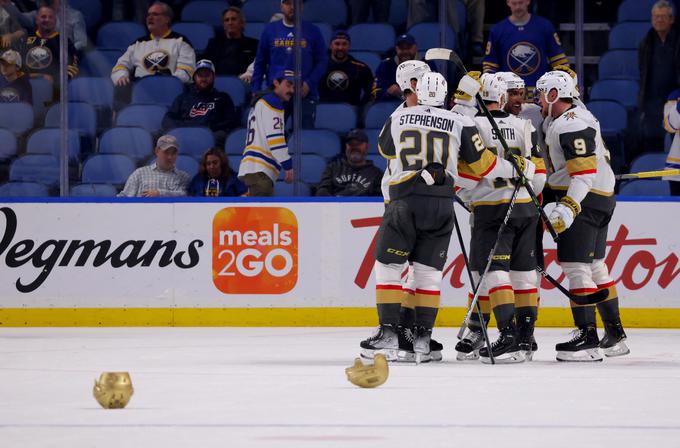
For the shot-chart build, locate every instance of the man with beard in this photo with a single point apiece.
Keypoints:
(386, 87)
(351, 175)
(14, 84)
(346, 80)
(203, 105)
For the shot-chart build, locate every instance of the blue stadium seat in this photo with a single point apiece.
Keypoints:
(646, 187)
(35, 168)
(326, 31)
(372, 140)
(91, 10)
(398, 12)
(16, 117)
(612, 116)
(187, 164)
(636, 10)
(148, 116)
(94, 190)
(339, 117)
(648, 162)
(81, 117)
(369, 58)
(627, 35)
(427, 36)
(235, 141)
(8, 144)
(312, 167)
(156, 90)
(318, 141)
(622, 90)
(378, 161)
(283, 189)
(260, 11)
(108, 169)
(95, 91)
(234, 87)
(48, 141)
(131, 141)
(99, 63)
(378, 113)
(194, 141)
(333, 12)
(372, 36)
(23, 189)
(234, 162)
(254, 29)
(119, 35)
(198, 34)
(209, 12)
(619, 64)
(42, 93)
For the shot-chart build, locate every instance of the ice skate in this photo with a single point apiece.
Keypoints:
(384, 340)
(421, 344)
(612, 344)
(435, 350)
(583, 346)
(504, 349)
(405, 352)
(525, 338)
(468, 348)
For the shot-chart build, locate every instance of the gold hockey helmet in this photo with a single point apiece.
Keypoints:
(113, 390)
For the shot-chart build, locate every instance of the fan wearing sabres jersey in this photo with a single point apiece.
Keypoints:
(525, 44)
(266, 151)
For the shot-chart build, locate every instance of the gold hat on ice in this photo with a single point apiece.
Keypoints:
(113, 390)
(371, 375)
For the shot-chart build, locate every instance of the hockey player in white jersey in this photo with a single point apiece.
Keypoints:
(671, 123)
(511, 280)
(427, 144)
(584, 183)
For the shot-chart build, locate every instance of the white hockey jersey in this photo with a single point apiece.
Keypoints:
(671, 122)
(150, 55)
(265, 150)
(519, 134)
(579, 158)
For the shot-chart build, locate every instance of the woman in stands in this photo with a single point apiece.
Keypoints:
(215, 177)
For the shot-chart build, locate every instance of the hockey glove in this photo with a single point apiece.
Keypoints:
(564, 213)
(526, 166)
(468, 87)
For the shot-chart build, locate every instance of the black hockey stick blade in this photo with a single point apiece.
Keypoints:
(591, 299)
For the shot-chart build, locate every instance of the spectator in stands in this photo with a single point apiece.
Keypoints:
(659, 59)
(215, 177)
(346, 79)
(41, 51)
(14, 84)
(75, 22)
(203, 105)
(359, 10)
(231, 51)
(671, 122)
(11, 30)
(385, 86)
(161, 178)
(161, 52)
(525, 44)
(275, 51)
(352, 175)
(266, 151)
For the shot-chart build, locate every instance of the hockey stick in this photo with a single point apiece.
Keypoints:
(501, 228)
(589, 299)
(482, 324)
(450, 55)
(647, 174)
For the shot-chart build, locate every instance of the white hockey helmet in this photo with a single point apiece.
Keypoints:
(494, 89)
(513, 80)
(431, 89)
(560, 81)
(408, 70)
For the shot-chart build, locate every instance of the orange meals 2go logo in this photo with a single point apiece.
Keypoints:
(255, 250)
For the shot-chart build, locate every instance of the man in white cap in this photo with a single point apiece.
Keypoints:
(15, 86)
(161, 178)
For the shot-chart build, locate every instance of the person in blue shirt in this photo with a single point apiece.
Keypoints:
(215, 177)
(525, 44)
(276, 51)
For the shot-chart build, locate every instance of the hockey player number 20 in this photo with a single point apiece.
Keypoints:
(412, 157)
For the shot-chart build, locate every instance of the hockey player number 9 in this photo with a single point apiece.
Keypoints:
(416, 151)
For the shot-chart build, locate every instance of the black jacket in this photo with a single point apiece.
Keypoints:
(342, 179)
(350, 81)
(212, 109)
(645, 60)
(231, 56)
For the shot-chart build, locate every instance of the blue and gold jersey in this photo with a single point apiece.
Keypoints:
(528, 50)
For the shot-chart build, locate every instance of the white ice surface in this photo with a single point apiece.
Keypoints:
(286, 387)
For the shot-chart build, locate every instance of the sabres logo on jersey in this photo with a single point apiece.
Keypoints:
(524, 58)
(9, 95)
(38, 58)
(156, 61)
(201, 109)
(337, 80)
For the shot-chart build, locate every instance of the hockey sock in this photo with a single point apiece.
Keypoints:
(407, 314)
(427, 306)
(486, 311)
(503, 304)
(609, 309)
(583, 314)
(526, 305)
(388, 299)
